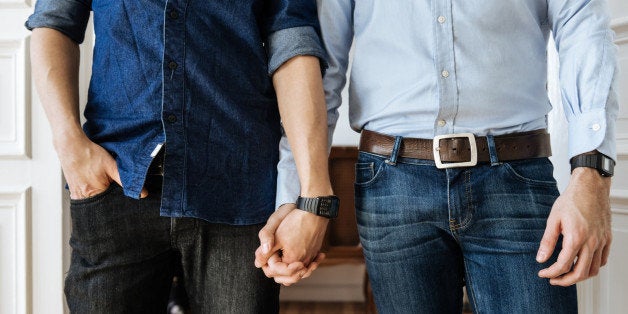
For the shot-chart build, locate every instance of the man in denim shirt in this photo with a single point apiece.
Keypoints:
(176, 162)
(453, 182)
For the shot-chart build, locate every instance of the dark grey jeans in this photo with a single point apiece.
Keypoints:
(124, 256)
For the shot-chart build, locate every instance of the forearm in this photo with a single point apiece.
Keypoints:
(299, 88)
(55, 59)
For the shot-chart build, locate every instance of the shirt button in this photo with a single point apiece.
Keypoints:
(173, 65)
(172, 118)
(441, 19)
(441, 123)
(174, 15)
(445, 73)
(596, 127)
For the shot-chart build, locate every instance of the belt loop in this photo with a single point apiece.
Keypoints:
(395, 152)
(492, 152)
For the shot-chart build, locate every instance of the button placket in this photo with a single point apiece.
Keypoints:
(445, 61)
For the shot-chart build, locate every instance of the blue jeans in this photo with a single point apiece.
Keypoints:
(124, 256)
(426, 232)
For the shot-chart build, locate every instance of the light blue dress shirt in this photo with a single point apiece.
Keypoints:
(423, 68)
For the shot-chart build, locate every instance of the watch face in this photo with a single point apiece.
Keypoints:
(324, 206)
(607, 164)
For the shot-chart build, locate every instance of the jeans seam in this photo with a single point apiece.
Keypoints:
(470, 288)
(469, 198)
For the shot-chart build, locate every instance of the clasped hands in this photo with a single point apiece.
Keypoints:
(290, 244)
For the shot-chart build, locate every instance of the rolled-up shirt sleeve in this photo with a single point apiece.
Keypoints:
(292, 30)
(296, 41)
(337, 32)
(70, 17)
(588, 73)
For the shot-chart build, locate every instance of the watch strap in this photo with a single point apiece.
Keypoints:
(324, 206)
(603, 164)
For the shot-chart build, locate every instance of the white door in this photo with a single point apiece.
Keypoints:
(33, 204)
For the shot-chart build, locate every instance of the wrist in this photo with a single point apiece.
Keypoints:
(591, 177)
(321, 187)
(68, 138)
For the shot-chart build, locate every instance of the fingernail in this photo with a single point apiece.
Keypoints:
(266, 248)
(540, 256)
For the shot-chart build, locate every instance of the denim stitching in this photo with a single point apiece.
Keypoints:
(469, 199)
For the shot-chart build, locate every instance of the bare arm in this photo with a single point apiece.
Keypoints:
(87, 167)
(299, 88)
(297, 233)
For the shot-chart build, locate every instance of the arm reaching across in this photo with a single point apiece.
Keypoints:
(299, 234)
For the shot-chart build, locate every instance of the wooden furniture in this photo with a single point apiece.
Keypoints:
(342, 243)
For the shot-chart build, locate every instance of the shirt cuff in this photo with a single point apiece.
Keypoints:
(288, 186)
(593, 130)
(288, 43)
(70, 19)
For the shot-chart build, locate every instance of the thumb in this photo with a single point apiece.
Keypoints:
(144, 193)
(267, 237)
(112, 171)
(267, 234)
(549, 240)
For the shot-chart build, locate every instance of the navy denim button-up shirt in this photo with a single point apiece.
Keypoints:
(195, 75)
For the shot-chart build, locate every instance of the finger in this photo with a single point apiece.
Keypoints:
(282, 279)
(144, 193)
(275, 267)
(289, 280)
(280, 268)
(314, 265)
(564, 262)
(605, 252)
(549, 240)
(85, 191)
(580, 270)
(596, 263)
(267, 238)
(112, 171)
(261, 259)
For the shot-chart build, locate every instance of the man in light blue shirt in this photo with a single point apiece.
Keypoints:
(453, 184)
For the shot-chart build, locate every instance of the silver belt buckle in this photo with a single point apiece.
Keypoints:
(436, 151)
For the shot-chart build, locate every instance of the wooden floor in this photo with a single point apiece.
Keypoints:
(322, 307)
(325, 308)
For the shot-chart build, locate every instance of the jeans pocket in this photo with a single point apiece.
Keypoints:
(94, 198)
(368, 170)
(364, 172)
(536, 171)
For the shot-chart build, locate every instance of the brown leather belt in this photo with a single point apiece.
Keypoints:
(457, 148)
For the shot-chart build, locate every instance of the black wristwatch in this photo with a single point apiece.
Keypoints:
(324, 206)
(602, 163)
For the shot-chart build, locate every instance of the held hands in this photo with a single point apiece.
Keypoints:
(290, 244)
(582, 215)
